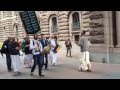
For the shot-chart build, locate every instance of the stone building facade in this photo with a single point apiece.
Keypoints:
(10, 25)
(103, 26)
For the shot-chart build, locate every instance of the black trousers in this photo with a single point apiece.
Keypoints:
(68, 51)
(38, 60)
(46, 61)
(8, 59)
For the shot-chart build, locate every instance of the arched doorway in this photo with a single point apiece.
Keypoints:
(74, 25)
(53, 26)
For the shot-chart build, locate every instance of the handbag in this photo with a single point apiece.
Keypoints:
(57, 48)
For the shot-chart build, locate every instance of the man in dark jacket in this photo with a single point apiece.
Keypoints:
(44, 43)
(15, 58)
(68, 46)
(5, 50)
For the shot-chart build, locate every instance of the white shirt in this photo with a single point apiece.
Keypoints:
(34, 49)
(52, 43)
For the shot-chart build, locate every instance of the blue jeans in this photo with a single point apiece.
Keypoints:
(38, 60)
(8, 60)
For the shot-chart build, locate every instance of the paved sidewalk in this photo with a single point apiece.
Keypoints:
(67, 68)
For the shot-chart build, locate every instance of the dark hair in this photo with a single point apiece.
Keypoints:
(47, 37)
(83, 33)
(42, 34)
(35, 36)
(55, 37)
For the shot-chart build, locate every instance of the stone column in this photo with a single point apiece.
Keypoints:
(118, 27)
(108, 28)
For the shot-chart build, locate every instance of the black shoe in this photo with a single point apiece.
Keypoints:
(31, 73)
(15, 74)
(88, 70)
(42, 75)
(19, 72)
(46, 68)
(10, 70)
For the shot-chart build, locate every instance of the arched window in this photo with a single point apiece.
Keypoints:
(16, 30)
(54, 24)
(75, 21)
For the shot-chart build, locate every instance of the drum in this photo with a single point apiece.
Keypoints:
(46, 50)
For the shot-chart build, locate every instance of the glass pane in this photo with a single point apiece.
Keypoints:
(54, 21)
(76, 22)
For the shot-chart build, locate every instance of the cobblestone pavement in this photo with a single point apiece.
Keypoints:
(67, 68)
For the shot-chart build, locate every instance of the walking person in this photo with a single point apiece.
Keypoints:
(53, 55)
(5, 50)
(68, 47)
(44, 43)
(23, 45)
(19, 43)
(36, 47)
(28, 54)
(85, 64)
(15, 58)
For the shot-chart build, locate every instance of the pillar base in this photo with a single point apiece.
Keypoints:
(118, 45)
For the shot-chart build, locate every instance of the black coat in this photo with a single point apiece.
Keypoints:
(44, 44)
(5, 47)
(12, 48)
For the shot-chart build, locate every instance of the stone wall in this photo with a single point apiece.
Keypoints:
(7, 25)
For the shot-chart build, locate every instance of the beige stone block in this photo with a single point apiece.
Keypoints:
(110, 22)
(107, 30)
(86, 20)
(64, 27)
(107, 39)
(106, 22)
(106, 14)
(63, 24)
(85, 24)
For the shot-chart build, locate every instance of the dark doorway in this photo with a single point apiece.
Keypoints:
(76, 38)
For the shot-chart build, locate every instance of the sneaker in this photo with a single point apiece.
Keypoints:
(19, 72)
(42, 75)
(15, 74)
(25, 66)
